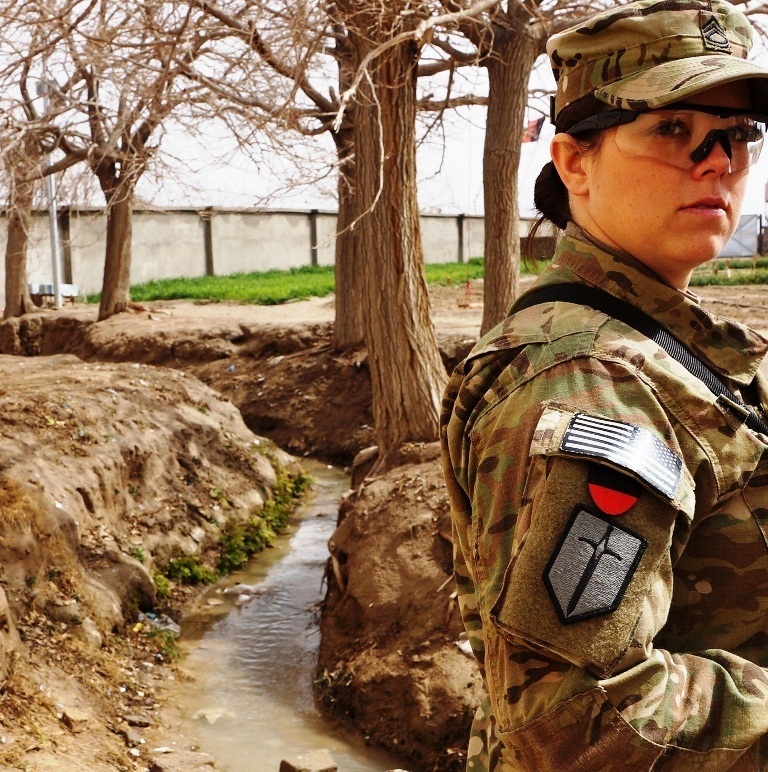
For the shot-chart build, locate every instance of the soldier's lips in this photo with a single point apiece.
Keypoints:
(711, 206)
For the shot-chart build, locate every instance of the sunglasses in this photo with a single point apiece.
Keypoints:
(684, 134)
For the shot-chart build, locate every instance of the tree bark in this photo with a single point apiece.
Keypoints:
(407, 373)
(116, 287)
(22, 165)
(348, 324)
(509, 68)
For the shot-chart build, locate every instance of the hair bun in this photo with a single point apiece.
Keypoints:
(550, 196)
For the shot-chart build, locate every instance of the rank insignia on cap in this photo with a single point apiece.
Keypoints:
(626, 446)
(714, 36)
(614, 493)
(592, 566)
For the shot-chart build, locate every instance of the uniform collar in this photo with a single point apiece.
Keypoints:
(731, 348)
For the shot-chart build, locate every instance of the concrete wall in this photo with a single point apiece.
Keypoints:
(188, 242)
(154, 232)
(474, 237)
(440, 239)
(326, 238)
(38, 250)
(84, 251)
(259, 241)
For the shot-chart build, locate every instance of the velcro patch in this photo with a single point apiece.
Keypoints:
(714, 35)
(627, 446)
(592, 566)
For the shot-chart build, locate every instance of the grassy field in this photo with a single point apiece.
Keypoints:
(272, 287)
(732, 272)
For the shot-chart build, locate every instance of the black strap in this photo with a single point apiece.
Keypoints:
(600, 300)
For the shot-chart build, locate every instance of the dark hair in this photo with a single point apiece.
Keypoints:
(550, 196)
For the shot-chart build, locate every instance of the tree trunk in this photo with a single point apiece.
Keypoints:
(348, 325)
(22, 163)
(116, 288)
(407, 373)
(509, 68)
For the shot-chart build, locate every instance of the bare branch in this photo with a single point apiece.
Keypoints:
(419, 35)
(440, 105)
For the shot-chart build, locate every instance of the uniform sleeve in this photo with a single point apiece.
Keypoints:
(573, 594)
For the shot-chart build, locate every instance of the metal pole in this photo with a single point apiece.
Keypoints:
(50, 185)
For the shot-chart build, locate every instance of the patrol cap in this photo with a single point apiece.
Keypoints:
(652, 53)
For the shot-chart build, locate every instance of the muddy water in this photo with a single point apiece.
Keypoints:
(250, 704)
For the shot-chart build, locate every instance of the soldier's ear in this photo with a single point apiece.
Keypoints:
(569, 158)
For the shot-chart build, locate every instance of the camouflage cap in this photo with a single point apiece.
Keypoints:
(652, 53)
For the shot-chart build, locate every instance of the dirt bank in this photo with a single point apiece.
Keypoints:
(108, 472)
(390, 657)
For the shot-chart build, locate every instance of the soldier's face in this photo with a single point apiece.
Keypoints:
(670, 218)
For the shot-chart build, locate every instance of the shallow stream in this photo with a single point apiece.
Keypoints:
(250, 704)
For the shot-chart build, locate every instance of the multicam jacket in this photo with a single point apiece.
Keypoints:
(611, 533)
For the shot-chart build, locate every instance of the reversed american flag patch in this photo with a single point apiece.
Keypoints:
(627, 446)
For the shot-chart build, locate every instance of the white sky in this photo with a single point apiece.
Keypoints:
(450, 168)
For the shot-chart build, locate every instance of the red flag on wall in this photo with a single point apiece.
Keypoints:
(533, 129)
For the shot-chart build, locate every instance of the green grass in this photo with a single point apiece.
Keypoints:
(189, 569)
(267, 288)
(742, 271)
(735, 280)
(454, 273)
(273, 287)
(740, 263)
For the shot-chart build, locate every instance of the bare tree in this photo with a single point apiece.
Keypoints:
(131, 82)
(111, 74)
(289, 52)
(26, 134)
(377, 50)
(22, 159)
(507, 41)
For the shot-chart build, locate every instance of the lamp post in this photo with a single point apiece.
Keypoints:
(43, 87)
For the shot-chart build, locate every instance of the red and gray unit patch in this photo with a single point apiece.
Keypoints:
(595, 559)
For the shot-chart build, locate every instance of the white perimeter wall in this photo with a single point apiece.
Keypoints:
(187, 242)
(247, 241)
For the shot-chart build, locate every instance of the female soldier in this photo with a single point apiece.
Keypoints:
(609, 497)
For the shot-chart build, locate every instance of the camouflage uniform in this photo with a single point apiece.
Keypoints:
(671, 673)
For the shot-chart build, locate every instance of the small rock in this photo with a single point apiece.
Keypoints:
(212, 715)
(315, 761)
(88, 632)
(465, 647)
(131, 736)
(75, 720)
(182, 761)
(137, 721)
(197, 533)
(243, 589)
(69, 612)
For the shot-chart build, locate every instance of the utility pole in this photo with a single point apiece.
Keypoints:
(43, 86)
